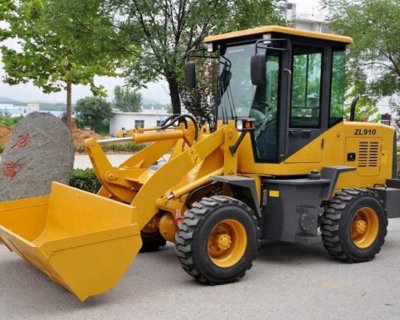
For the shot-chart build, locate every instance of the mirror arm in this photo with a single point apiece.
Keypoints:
(233, 148)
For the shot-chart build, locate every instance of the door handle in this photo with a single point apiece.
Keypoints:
(306, 133)
(300, 133)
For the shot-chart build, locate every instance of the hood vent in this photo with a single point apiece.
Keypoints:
(368, 153)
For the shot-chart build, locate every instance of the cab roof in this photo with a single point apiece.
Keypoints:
(278, 29)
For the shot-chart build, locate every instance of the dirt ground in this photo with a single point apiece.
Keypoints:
(5, 133)
(80, 136)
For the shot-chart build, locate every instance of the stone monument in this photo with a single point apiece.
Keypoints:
(39, 151)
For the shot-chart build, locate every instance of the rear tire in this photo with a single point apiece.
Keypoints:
(152, 242)
(354, 225)
(151, 237)
(217, 240)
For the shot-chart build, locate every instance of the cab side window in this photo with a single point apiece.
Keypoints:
(305, 109)
(337, 87)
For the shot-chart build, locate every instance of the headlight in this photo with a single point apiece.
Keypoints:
(245, 124)
(239, 125)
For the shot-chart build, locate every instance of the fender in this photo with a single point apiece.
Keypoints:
(244, 189)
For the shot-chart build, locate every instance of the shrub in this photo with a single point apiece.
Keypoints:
(85, 179)
(9, 121)
(123, 147)
(79, 147)
(79, 123)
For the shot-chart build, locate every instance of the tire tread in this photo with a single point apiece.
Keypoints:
(330, 222)
(191, 222)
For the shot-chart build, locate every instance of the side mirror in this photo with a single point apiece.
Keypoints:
(258, 69)
(190, 74)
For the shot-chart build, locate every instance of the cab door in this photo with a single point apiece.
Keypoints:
(305, 106)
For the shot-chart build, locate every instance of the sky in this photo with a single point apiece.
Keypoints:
(29, 93)
(155, 91)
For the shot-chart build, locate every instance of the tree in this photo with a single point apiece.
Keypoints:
(168, 30)
(127, 100)
(373, 60)
(61, 43)
(366, 110)
(202, 100)
(94, 112)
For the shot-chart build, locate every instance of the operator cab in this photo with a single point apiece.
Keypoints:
(290, 81)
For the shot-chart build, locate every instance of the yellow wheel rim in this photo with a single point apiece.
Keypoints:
(364, 227)
(227, 243)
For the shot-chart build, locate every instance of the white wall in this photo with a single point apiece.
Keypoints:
(312, 25)
(127, 120)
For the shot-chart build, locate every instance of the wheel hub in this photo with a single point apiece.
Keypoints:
(360, 226)
(224, 241)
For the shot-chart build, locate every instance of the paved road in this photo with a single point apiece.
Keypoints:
(286, 282)
(82, 161)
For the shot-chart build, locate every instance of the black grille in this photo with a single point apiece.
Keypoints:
(368, 153)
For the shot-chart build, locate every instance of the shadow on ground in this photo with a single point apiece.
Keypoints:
(282, 252)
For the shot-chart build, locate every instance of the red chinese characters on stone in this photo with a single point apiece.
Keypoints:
(22, 141)
(10, 169)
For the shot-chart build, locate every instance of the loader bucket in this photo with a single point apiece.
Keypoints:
(80, 240)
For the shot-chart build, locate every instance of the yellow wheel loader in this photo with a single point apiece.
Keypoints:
(281, 165)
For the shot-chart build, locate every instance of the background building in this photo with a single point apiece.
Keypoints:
(311, 19)
(17, 110)
(131, 120)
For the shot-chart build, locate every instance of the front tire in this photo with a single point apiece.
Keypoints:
(217, 240)
(354, 225)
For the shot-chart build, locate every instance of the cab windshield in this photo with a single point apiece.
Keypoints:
(234, 84)
(239, 98)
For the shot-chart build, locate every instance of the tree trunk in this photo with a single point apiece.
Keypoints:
(69, 105)
(174, 93)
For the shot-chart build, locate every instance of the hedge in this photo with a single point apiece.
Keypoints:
(85, 179)
(118, 147)
(125, 147)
